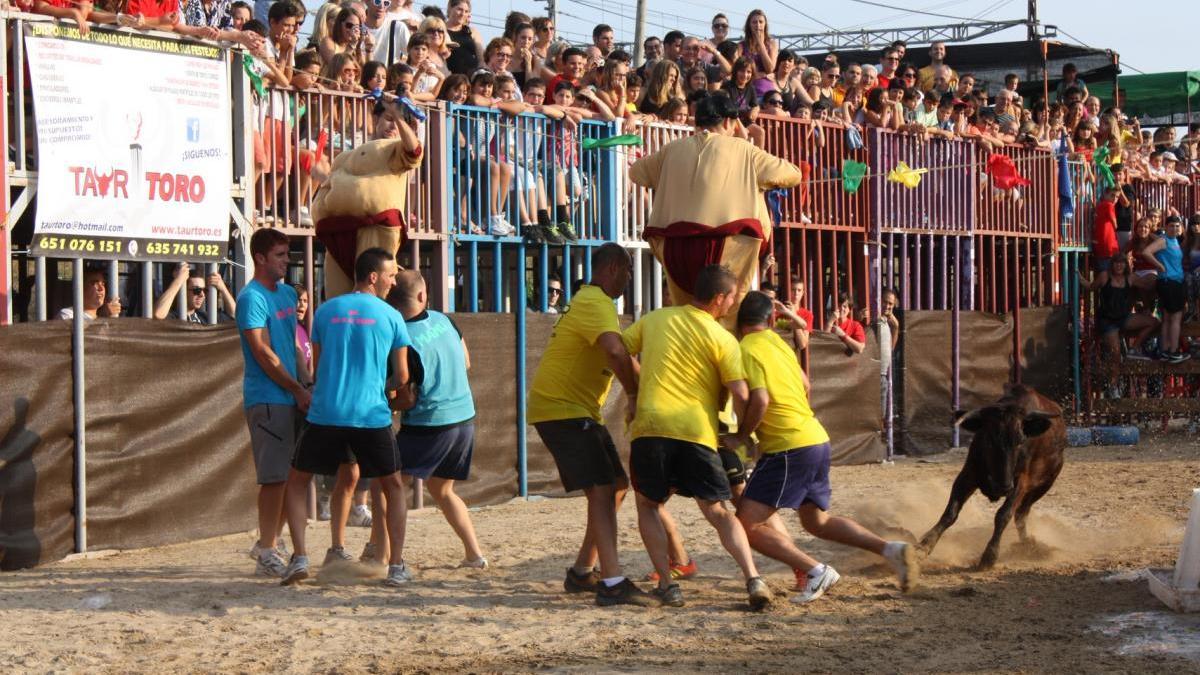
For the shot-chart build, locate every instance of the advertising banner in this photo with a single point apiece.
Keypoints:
(134, 145)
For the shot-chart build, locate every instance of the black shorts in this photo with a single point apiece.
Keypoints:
(662, 465)
(583, 452)
(735, 470)
(1172, 295)
(441, 452)
(322, 449)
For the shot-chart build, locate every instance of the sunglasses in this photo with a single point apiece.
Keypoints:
(556, 291)
(197, 290)
(773, 101)
(720, 26)
(382, 3)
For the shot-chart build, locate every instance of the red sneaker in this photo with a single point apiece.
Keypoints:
(677, 571)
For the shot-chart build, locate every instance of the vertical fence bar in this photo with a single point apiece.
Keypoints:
(39, 287)
(147, 290)
(522, 440)
(78, 387)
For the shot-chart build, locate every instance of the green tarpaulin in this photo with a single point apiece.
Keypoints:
(1156, 95)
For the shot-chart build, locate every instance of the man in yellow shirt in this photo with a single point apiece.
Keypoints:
(926, 75)
(687, 361)
(793, 470)
(568, 390)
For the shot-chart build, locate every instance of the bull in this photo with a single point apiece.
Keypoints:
(1016, 453)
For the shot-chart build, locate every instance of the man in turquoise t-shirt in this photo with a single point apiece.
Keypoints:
(271, 386)
(437, 431)
(355, 338)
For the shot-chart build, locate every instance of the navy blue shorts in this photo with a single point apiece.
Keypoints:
(441, 452)
(786, 480)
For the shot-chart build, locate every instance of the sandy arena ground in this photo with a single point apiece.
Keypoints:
(196, 607)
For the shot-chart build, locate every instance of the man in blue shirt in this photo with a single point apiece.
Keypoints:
(355, 338)
(271, 386)
(437, 433)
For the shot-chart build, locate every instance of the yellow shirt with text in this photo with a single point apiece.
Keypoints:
(788, 422)
(573, 377)
(686, 359)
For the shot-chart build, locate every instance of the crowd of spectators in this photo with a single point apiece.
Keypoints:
(384, 48)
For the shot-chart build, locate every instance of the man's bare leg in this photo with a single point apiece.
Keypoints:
(339, 503)
(456, 513)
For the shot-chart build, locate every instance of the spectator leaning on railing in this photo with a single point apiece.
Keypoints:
(197, 296)
(96, 301)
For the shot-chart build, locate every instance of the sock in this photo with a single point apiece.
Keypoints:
(892, 549)
(612, 581)
(562, 213)
(543, 217)
(817, 571)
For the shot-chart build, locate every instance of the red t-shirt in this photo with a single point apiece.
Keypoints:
(807, 316)
(884, 81)
(1104, 234)
(554, 83)
(853, 330)
(151, 9)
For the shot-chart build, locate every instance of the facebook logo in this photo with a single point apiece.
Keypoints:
(193, 130)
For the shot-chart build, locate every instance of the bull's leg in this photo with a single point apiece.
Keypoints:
(1003, 515)
(1022, 510)
(962, 489)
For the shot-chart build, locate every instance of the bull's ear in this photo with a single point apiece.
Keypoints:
(971, 420)
(1036, 423)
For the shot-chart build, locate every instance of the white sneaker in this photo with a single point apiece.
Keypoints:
(305, 217)
(337, 554)
(397, 575)
(297, 571)
(360, 516)
(498, 226)
(270, 564)
(905, 561)
(323, 509)
(280, 549)
(817, 586)
(480, 563)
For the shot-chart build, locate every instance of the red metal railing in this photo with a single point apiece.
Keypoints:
(942, 203)
(1025, 211)
(818, 149)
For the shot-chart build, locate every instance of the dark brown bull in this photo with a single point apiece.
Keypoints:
(1016, 453)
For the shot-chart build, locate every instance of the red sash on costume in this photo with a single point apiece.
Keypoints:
(690, 247)
(339, 234)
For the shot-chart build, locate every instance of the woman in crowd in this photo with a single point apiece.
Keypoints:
(348, 36)
(1115, 319)
(440, 44)
(1167, 256)
(663, 85)
(695, 79)
(429, 78)
(323, 24)
(758, 45)
(525, 63)
(467, 54)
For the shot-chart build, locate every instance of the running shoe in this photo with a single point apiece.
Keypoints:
(1178, 357)
(817, 586)
(678, 572)
(337, 554)
(906, 563)
(671, 596)
(551, 234)
(759, 593)
(625, 593)
(480, 563)
(498, 226)
(280, 549)
(532, 234)
(581, 583)
(397, 575)
(297, 571)
(369, 555)
(269, 564)
(567, 232)
(360, 516)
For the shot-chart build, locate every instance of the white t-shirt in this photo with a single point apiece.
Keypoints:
(393, 26)
(68, 313)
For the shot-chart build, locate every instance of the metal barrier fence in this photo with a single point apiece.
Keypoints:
(942, 203)
(1021, 211)
(1076, 231)
(819, 149)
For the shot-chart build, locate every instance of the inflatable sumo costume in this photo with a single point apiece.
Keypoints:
(362, 206)
(709, 208)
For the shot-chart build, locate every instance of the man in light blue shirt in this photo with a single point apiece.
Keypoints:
(356, 339)
(271, 386)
